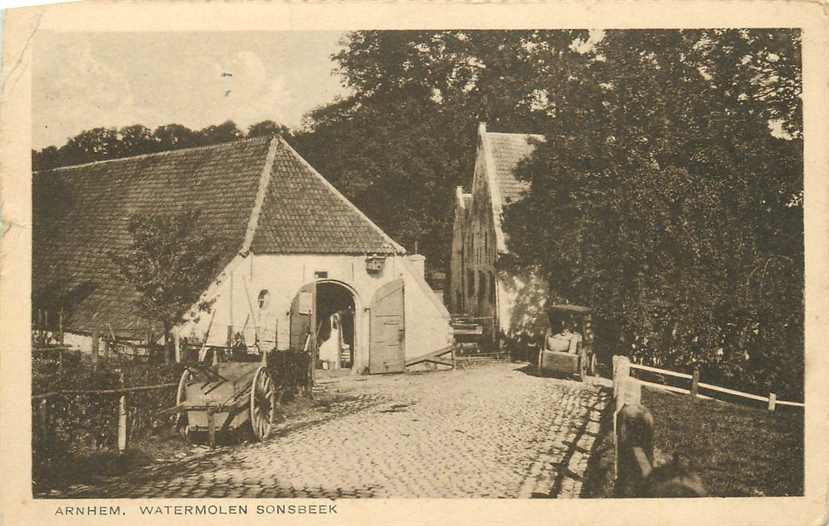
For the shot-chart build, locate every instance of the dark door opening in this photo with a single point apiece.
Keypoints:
(335, 326)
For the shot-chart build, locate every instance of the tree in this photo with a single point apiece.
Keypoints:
(266, 129)
(170, 262)
(136, 140)
(662, 194)
(215, 134)
(175, 136)
(90, 145)
(405, 139)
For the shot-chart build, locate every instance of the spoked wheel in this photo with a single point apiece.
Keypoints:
(181, 396)
(260, 403)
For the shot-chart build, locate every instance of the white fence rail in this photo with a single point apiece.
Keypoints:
(771, 399)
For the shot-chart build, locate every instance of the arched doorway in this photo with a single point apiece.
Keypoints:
(329, 308)
(335, 325)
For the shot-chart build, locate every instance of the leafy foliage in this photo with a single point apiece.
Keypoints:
(405, 139)
(170, 261)
(664, 198)
(99, 144)
(83, 422)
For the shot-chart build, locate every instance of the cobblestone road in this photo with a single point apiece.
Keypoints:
(490, 431)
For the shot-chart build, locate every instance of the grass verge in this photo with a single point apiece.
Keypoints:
(739, 451)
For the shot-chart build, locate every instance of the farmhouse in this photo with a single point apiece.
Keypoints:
(304, 262)
(505, 299)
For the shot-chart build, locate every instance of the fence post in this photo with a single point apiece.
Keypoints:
(695, 384)
(229, 345)
(122, 418)
(211, 427)
(177, 346)
(60, 326)
(634, 438)
(621, 372)
(43, 417)
(630, 393)
(122, 423)
(772, 401)
(96, 343)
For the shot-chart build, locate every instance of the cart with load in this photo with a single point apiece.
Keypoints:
(570, 353)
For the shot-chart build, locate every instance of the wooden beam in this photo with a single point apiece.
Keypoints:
(695, 384)
(660, 371)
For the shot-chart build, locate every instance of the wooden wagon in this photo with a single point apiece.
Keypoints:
(580, 361)
(230, 395)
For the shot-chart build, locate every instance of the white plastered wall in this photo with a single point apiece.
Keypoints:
(236, 294)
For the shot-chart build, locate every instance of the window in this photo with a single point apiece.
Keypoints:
(321, 274)
(484, 283)
(470, 283)
(492, 286)
(264, 299)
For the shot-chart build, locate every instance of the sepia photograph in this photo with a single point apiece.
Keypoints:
(419, 263)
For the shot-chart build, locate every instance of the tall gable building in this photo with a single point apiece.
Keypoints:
(506, 302)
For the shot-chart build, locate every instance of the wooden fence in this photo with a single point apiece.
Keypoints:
(43, 417)
(695, 385)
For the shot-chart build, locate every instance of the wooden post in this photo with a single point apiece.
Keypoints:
(229, 343)
(60, 326)
(621, 372)
(634, 442)
(211, 428)
(96, 342)
(148, 338)
(43, 418)
(772, 401)
(177, 346)
(314, 346)
(38, 327)
(630, 393)
(695, 384)
(122, 423)
(122, 419)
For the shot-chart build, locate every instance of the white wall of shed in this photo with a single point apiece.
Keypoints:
(426, 319)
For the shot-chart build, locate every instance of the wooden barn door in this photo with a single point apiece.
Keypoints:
(386, 353)
(302, 318)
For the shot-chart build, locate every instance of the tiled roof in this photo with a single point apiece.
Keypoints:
(81, 215)
(509, 149)
(303, 214)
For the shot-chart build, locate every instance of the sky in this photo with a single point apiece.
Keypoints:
(88, 80)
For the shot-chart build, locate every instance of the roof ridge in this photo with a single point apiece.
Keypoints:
(160, 153)
(264, 182)
(394, 244)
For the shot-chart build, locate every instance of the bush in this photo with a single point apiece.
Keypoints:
(81, 423)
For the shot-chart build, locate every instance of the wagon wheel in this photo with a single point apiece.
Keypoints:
(181, 396)
(260, 403)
